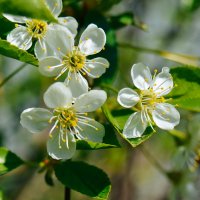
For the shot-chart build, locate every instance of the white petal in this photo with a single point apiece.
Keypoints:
(163, 82)
(70, 23)
(135, 126)
(50, 66)
(166, 116)
(92, 40)
(55, 6)
(93, 131)
(127, 97)
(58, 95)
(20, 38)
(64, 152)
(57, 42)
(15, 18)
(90, 101)
(141, 76)
(97, 67)
(35, 119)
(77, 84)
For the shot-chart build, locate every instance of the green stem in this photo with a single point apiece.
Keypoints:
(109, 88)
(180, 58)
(12, 74)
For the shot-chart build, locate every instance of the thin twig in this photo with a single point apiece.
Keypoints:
(109, 88)
(12, 74)
(180, 58)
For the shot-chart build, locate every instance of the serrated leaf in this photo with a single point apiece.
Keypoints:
(126, 19)
(109, 141)
(30, 8)
(88, 145)
(186, 94)
(84, 178)
(8, 161)
(11, 51)
(118, 119)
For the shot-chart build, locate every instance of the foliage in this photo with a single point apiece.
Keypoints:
(31, 8)
(8, 161)
(77, 175)
(84, 178)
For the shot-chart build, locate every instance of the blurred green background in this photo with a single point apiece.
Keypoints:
(136, 174)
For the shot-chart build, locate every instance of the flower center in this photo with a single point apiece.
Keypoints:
(150, 99)
(36, 28)
(75, 60)
(67, 117)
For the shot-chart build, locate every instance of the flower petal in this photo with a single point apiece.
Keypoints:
(92, 40)
(135, 126)
(141, 76)
(93, 131)
(77, 84)
(50, 66)
(90, 101)
(57, 42)
(70, 23)
(55, 6)
(96, 67)
(127, 97)
(58, 95)
(163, 82)
(65, 152)
(166, 116)
(20, 38)
(35, 119)
(15, 18)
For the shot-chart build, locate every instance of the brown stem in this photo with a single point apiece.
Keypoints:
(67, 193)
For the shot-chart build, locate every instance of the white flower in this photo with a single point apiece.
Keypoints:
(68, 117)
(151, 105)
(62, 56)
(22, 36)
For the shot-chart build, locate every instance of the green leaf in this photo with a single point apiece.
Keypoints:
(126, 19)
(84, 178)
(109, 141)
(8, 161)
(190, 6)
(88, 145)
(186, 94)
(48, 177)
(118, 119)
(30, 8)
(11, 51)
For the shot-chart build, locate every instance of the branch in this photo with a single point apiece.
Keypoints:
(180, 58)
(12, 74)
(67, 193)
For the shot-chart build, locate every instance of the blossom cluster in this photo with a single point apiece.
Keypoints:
(68, 103)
